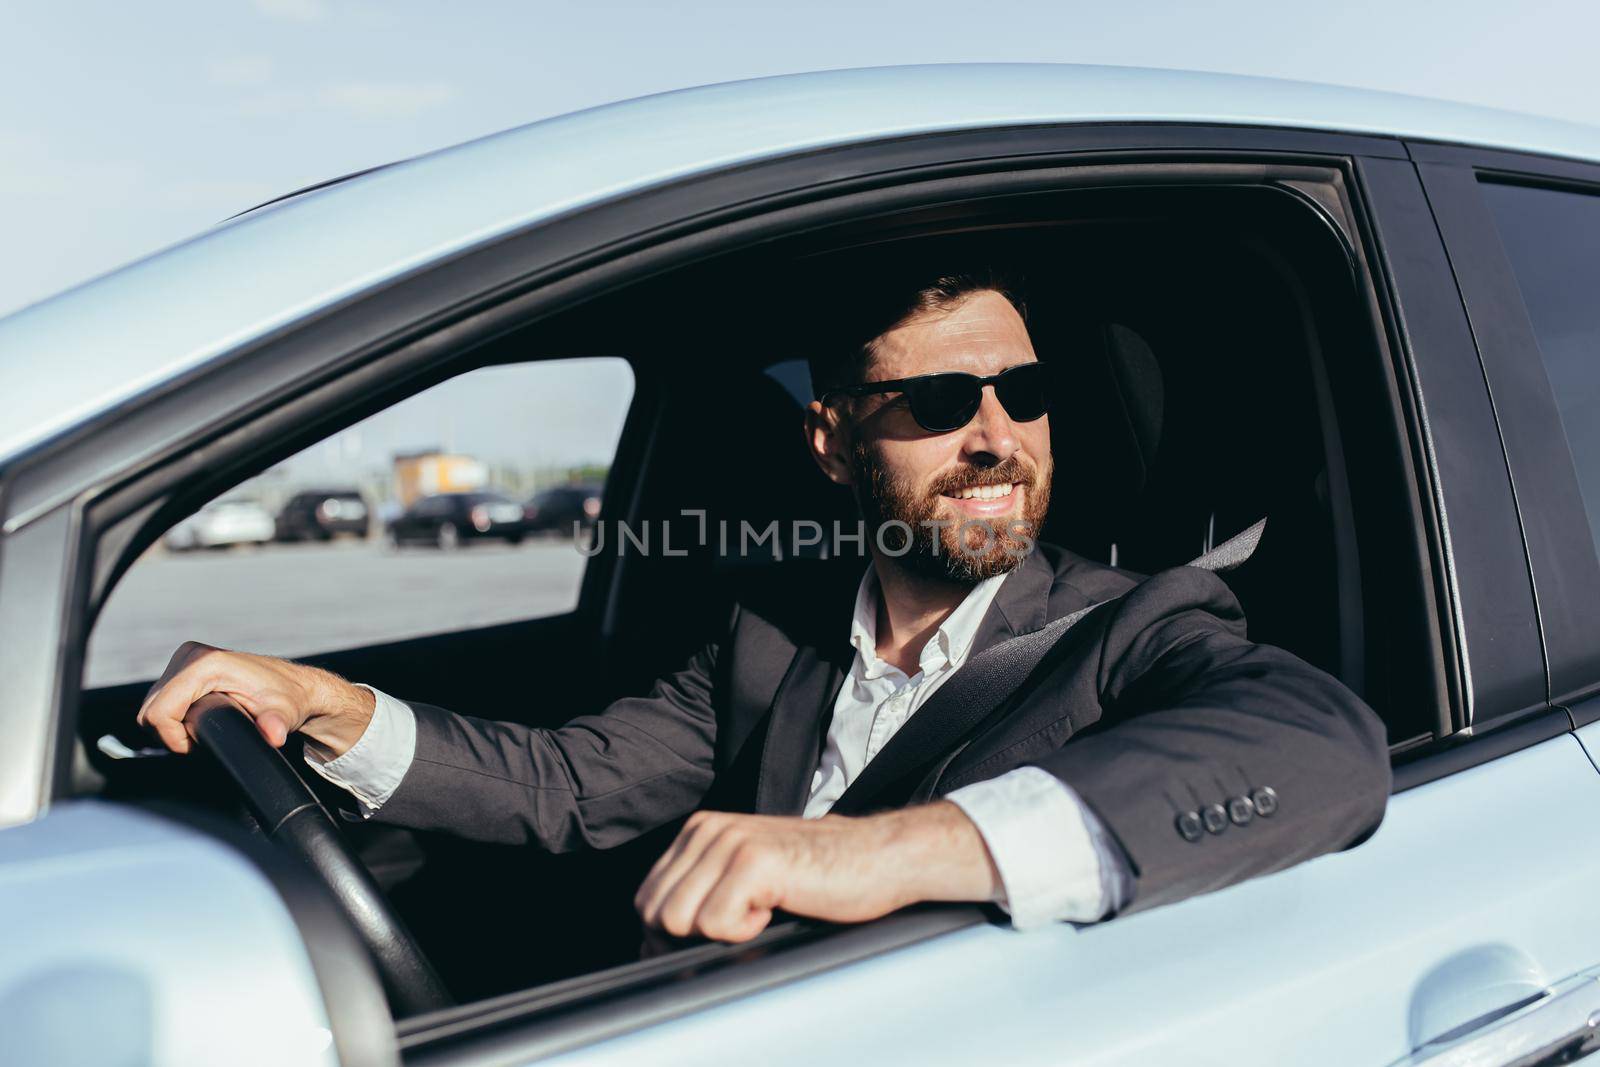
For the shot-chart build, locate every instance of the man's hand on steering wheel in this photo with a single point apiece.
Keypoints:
(280, 696)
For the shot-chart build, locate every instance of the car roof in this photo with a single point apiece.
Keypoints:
(129, 331)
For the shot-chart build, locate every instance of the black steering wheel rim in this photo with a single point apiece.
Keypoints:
(289, 813)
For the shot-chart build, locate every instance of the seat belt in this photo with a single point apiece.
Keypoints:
(986, 682)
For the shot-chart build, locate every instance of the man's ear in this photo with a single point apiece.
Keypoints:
(826, 440)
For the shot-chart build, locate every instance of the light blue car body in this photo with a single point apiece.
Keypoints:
(146, 323)
(1364, 957)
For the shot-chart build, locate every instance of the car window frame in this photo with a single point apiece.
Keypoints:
(1484, 587)
(552, 1019)
(331, 360)
(1564, 568)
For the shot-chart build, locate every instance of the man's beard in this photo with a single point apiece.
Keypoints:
(958, 549)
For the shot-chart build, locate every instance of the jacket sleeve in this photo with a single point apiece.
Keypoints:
(596, 782)
(1216, 759)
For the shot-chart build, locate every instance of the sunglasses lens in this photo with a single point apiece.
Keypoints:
(943, 402)
(1025, 391)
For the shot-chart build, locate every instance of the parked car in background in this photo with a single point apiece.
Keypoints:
(562, 508)
(322, 514)
(221, 524)
(445, 520)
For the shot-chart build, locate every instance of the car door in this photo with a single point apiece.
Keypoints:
(1462, 928)
(420, 520)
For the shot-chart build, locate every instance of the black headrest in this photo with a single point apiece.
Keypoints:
(1105, 426)
(743, 460)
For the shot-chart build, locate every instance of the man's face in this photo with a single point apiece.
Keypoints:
(994, 469)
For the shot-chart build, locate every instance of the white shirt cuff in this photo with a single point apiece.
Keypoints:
(372, 768)
(1056, 861)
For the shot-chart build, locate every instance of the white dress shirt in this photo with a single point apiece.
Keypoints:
(1055, 859)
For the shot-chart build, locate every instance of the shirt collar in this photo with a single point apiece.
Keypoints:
(949, 645)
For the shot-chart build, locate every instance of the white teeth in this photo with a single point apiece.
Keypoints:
(985, 492)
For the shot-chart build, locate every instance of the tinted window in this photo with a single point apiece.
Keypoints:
(250, 578)
(1553, 240)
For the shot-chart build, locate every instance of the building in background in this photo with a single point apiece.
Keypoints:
(420, 474)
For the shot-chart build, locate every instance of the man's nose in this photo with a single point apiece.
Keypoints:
(991, 436)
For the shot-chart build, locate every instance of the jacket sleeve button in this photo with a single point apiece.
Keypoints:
(1265, 800)
(1240, 810)
(1215, 819)
(1189, 826)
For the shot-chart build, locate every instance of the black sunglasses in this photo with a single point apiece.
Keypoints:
(944, 402)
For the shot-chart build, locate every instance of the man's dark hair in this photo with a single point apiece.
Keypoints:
(840, 349)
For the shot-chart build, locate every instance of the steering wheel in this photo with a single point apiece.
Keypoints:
(290, 813)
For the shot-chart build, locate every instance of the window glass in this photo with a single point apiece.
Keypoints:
(1553, 240)
(411, 522)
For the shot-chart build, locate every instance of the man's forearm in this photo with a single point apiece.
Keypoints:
(726, 874)
(934, 852)
(339, 712)
(598, 781)
(1056, 860)
(373, 768)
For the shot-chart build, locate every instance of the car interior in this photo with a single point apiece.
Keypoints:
(1220, 363)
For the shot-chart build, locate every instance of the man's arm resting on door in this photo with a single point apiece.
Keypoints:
(1218, 759)
(1022, 840)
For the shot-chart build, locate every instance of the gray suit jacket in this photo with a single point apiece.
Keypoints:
(1154, 708)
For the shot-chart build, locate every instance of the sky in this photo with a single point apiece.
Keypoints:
(127, 127)
(531, 416)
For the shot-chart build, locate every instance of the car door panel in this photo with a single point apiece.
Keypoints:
(1359, 957)
(1589, 736)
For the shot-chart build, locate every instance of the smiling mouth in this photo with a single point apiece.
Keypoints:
(985, 492)
(986, 501)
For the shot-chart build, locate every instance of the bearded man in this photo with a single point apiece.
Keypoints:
(1152, 753)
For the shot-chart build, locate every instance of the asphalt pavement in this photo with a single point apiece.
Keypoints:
(298, 599)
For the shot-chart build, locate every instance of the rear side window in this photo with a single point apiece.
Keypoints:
(1552, 238)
